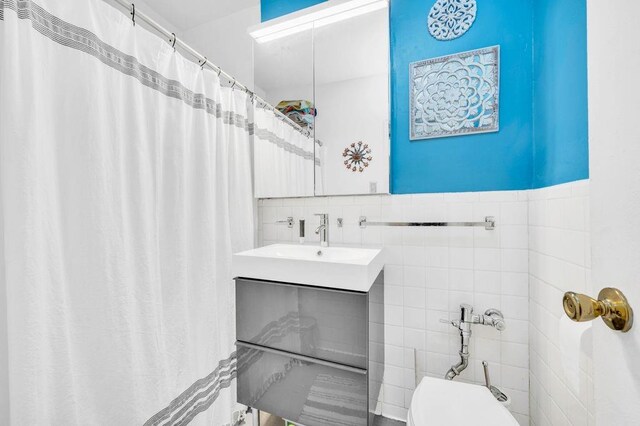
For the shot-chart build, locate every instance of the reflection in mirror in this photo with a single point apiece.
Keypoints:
(352, 97)
(327, 71)
(284, 139)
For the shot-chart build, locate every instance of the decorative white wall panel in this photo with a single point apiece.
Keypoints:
(449, 19)
(456, 94)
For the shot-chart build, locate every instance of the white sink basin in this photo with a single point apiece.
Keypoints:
(333, 267)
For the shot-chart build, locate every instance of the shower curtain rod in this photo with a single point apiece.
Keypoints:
(202, 60)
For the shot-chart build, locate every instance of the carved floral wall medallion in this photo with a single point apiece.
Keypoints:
(357, 157)
(455, 95)
(450, 19)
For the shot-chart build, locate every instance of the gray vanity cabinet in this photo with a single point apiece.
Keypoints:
(312, 355)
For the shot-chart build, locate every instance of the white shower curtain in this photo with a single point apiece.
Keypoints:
(125, 185)
(284, 157)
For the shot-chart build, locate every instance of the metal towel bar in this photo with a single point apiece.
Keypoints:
(489, 223)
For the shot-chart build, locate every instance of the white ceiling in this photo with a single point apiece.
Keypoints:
(187, 14)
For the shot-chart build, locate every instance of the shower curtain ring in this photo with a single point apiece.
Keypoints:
(219, 71)
(175, 38)
(234, 83)
(204, 61)
(133, 14)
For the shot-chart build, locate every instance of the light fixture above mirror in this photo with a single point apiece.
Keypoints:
(323, 14)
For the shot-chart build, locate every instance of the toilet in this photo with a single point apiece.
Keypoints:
(443, 402)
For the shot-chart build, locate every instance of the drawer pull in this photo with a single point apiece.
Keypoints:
(302, 357)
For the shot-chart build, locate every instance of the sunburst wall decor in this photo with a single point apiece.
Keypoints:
(357, 156)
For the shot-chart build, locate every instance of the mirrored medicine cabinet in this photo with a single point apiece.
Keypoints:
(324, 128)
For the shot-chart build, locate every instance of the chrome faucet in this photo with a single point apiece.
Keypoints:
(323, 229)
(491, 317)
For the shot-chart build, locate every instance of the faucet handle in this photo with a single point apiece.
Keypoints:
(455, 323)
(487, 380)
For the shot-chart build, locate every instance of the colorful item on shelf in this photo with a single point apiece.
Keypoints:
(300, 112)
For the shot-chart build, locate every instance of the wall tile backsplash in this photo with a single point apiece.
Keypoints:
(539, 249)
(429, 273)
(560, 261)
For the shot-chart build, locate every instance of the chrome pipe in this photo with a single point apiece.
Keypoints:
(464, 325)
(491, 317)
(457, 369)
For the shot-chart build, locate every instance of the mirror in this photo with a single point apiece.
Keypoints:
(283, 146)
(331, 80)
(351, 68)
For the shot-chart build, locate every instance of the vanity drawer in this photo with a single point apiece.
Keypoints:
(325, 324)
(300, 389)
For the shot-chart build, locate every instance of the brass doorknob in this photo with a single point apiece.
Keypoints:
(611, 305)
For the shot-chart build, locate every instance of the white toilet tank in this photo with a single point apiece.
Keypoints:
(440, 402)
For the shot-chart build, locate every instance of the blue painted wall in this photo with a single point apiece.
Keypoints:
(270, 9)
(561, 140)
(543, 136)
(491, 161)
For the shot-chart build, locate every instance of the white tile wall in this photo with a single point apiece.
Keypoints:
(559, 260)
(430, 271)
